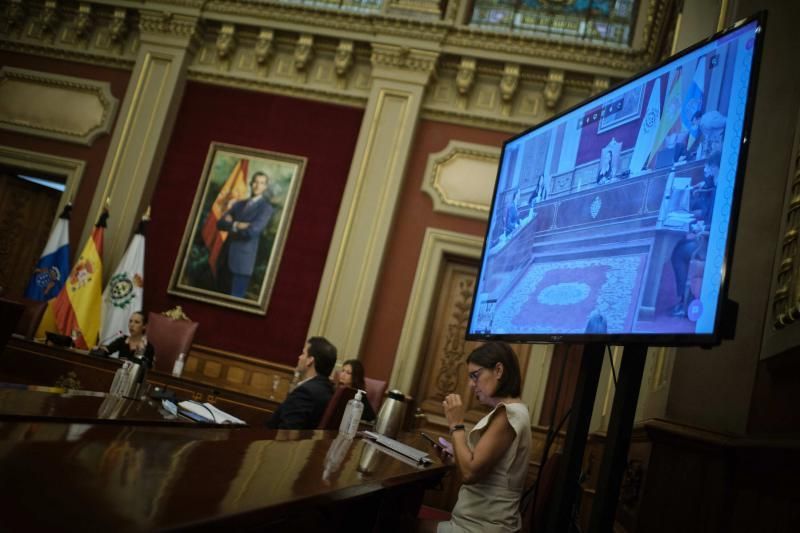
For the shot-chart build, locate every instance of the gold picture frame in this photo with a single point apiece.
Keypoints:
(235, 234)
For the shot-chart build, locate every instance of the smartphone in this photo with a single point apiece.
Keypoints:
(430, 439)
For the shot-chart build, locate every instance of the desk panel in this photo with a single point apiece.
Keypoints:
(155, 478)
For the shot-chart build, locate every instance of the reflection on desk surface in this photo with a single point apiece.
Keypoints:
(46, 403)
(155, 477)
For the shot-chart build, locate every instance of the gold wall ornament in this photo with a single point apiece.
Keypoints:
(176, 313)
(303, 51)
(168, 24)
(553, 88)
(509, 81)
(70, 109)
(15, 14)
(465, 78)
(226, 41)
(401, 58)
(600, 84)
(343, 59)
(460, 179)
(118, 27)
(263, 45)
(83, 22)
(49, 17)
(786, 296)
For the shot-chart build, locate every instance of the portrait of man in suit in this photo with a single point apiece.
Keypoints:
(234, 237)
(244, 222)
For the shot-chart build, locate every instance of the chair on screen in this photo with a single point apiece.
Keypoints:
(332, 416)
(171, 334)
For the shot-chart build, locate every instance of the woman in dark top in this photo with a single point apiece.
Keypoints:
(134, 346)
(352, 375)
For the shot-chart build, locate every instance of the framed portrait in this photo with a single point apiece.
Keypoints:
(235, 234)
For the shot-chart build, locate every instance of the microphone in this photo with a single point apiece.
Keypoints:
(113, 335)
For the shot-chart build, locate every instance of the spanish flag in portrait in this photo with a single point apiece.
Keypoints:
(77, 307)
(234, 188)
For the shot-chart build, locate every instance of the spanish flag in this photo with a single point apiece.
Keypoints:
(670, 115)
(234, 188)
(77, 307)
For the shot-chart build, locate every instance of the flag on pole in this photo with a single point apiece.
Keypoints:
(234, 188)
(53, 266)
(123, 295)
(670, 117)
(77, 307)
(647, 130)
(693, 102)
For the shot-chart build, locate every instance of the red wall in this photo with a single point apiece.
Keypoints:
(93, 155)
(325, 134)
(413, 216)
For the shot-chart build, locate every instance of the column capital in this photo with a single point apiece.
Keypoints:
(403, 63)
(170, 29)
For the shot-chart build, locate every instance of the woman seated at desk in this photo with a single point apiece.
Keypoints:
(352, 375)
(134, 346)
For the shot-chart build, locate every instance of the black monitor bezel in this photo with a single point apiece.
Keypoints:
(725, 308)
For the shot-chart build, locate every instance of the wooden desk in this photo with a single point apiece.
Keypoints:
(53, 404)
(150, 478)
(34, 363)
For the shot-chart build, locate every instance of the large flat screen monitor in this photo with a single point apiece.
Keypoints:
(615, 221)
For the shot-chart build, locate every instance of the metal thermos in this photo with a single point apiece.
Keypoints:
(392, 414)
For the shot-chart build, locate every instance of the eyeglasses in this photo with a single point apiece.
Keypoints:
(473, 376)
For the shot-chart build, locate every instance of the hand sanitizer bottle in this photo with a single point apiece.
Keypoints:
(352, 416)
(177, 367)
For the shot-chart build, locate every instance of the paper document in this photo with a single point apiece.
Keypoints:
(208, 412)
(403, 449)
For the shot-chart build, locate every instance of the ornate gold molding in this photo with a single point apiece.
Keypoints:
(435, 246)
(400, 57)
(59, 107)
(460, 179)
(786, 299)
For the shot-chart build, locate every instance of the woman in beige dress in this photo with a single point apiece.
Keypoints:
(493, 456)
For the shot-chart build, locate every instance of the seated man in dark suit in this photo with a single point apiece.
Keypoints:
(304, 406)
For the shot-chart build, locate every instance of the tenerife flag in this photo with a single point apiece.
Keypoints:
(77, 307)
(234, 188)
(52, 268)
(647, 130)
(123, 295)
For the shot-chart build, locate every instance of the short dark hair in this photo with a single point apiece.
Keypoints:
(142, 314)
(257, 174)
(491, 353)
(358, 373)
(324, 354)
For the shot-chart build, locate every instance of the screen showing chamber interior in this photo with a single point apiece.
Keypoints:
(614, 218)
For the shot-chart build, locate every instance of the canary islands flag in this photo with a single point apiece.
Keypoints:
(53, 266)
(77, 306)
(234, 188)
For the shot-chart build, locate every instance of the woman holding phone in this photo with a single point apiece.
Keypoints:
(492, 457)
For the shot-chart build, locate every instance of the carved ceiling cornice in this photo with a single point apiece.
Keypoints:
(472, 76)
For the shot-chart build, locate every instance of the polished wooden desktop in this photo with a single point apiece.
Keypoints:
(20, 402)
(35, 363)
(144, 478)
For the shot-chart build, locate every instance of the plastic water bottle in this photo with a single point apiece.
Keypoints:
(177, 367)
(352, 416)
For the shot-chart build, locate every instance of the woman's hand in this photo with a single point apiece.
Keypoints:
(453, 409)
